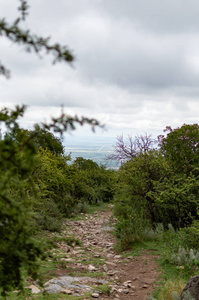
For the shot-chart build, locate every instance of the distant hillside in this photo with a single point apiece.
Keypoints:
(97, 152)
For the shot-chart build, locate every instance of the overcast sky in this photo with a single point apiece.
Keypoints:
(136, 65)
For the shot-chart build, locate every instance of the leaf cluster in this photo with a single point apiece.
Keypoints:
(37, 188)
(161, 185)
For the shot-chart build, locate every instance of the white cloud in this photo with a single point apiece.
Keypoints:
(136, 67)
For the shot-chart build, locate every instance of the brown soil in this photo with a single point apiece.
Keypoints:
(131, 277)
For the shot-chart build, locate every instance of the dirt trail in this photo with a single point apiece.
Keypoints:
(131, 277)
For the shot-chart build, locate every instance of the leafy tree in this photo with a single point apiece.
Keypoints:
(93, 183)
(19, 250)
(181, 148)
(41, 138)
(176, 200)
(136, 180)
(51, 175)
(85, 164)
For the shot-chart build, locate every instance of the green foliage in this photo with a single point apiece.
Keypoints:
(137, 180)
(176, 200)
(181, 148)
(40, 138)
(161, 185)
(188, 259)
(131, 227)
(34, 184)
(190, 236)
(104, 289)
(18, 249)
(93, 183)
(27, 200)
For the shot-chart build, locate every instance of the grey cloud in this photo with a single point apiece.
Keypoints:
(156, 16)
(151, 63)
(137, 62)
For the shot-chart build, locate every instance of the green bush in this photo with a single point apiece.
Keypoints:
(49, 218)
(131, 230)
(190, 236)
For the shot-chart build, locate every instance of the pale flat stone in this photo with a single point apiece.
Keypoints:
(67, 292)
(92, 268)
(95, 295)
(117, 256)
(34, 289)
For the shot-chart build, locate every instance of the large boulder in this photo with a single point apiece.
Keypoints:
(191, 290)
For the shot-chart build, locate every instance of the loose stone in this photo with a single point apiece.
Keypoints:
(67, 292)
(92, 268)
(34, 289)
(95, 295)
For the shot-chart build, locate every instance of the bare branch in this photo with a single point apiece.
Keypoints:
(144, 142)
(128, 149)
(23, 8)
(14, 32)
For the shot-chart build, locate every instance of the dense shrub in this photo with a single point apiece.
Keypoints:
(136, 181)
(190, 236)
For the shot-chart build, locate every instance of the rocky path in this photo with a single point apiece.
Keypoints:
(97, 268)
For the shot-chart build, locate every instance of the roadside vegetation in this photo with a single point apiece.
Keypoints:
(155, 191)
(157, 205)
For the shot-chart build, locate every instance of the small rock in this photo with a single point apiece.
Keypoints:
(117, 256)
(145, 286)
(69, 259)
(67, 292)
(105, 268)
(133, 287)
(111, 273)
(95, 295)
(135, 278)
(92, 268)
(110, 263)
(34, 289)
(127, 284)
(109, 245)
(108, 255)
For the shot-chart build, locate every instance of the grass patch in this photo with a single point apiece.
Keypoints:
(84, 273)
(95, 208)
(104, 289)
(41, 296)
(171, 290)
